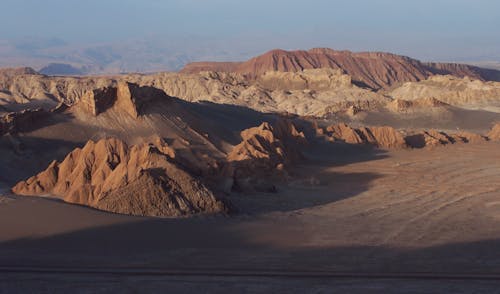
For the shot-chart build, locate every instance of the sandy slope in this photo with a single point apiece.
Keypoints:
(349, 210)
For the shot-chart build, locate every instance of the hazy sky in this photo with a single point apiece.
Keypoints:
(427, 29)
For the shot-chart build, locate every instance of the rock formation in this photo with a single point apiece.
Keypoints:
(383, 137)
(494, 134)
(22, 121)
(268, 94)
(98, 100)
(390, 138)
(434, 138)
(138, 180)
(265, 150)
(461, 92)
(126, 96)
(420, 104)
(373, 69)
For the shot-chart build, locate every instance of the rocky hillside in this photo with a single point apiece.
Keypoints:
(138, 180)
(373, 69)
(461, 92)
(309, 92)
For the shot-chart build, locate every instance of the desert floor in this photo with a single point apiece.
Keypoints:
(349, 218)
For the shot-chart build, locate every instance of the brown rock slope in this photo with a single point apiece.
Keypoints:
(383, 137)
(494, 134)
(374, 69)
(390, 138)
(138, 180)
(265, 151)
(421, 104)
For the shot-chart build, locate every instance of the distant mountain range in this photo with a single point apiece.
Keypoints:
(156, 54)
(148, 54)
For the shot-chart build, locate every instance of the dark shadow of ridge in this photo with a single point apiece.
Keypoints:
(223, 244)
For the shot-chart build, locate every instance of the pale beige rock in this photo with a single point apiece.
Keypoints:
(461, 92)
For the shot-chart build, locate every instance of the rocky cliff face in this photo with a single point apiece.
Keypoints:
(373, 69)
(127, 97)
(139, 180)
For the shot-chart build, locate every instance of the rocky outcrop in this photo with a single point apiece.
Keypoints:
(310, 92)
(128, 97)
(383, 137)
(420, 104)
(98, 100)
(461, 92)
(22, 121)
(494, 133)
(435, 138)
(138, 180)
(267, 95)
(466, 137)
(390, 138)
(265, 151)
(373, 69)
(430, 138)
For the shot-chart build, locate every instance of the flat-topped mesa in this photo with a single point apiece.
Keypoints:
(128, 97)
(142, 179)
(375, 70)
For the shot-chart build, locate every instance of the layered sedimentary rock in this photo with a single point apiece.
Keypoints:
(373, 69)
(330, 89)
(311, 79)
(127, 97)
(138, 180)
(462, 92)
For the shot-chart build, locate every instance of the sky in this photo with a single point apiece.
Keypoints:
(444, 30)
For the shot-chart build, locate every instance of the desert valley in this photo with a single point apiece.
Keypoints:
(291, 172)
